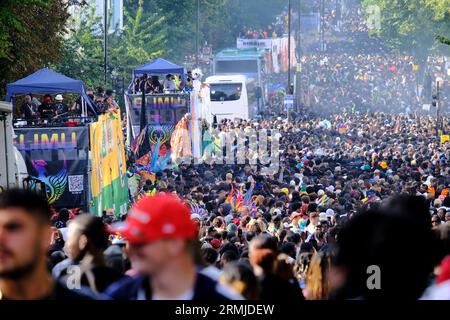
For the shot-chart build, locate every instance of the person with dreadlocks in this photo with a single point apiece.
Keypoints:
(318, 276)
(86, 242)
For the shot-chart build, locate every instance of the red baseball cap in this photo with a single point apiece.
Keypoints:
(158, 217)
(216, 243)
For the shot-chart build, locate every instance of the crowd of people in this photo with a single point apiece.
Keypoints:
(54, 110)
(363, 184)
(308, 231)
(353, 20)
(368, 82)
(171, 84)
(277, 29)
(338, 20)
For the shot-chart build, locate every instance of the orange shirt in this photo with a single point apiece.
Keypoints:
(432, 191)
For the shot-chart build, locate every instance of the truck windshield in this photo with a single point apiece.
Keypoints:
(237, 66)
(226, 91)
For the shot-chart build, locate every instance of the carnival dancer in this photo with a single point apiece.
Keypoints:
(181, 140)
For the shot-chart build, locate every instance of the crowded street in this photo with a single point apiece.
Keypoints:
(279, 152)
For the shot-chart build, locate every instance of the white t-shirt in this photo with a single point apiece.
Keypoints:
(223, 138)
(188, 295)
(170, 85)
(64, 233)
(211, 272)
(437, 292)
(311, 228)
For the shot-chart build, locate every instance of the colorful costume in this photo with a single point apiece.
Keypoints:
(181, 140)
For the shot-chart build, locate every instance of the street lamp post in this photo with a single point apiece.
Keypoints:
(105, 37)
(289, 59)
(299, 36)
(197, 33)
(299, 52)
(439, 85)
(289, 47)
(322, 26)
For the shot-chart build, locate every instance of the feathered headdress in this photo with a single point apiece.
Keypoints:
(238, 199)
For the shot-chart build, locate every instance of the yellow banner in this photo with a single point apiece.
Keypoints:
(109, 184)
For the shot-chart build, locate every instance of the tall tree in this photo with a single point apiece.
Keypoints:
(413, 25)
(221, 21)
(143, 39)
(11, 21)
(34, 35)
(83, 50)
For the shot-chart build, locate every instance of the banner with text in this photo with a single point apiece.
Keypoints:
(59, 158)
(254, 43)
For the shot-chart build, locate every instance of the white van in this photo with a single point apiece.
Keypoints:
(229, 97)
(13, 169)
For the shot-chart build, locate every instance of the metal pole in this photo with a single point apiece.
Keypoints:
(289, 47)
(197, 33)
(338, 10)
(289, 91)
(105, 35)
(299, 36)
(322, 26)
(297, 74)
(143, 119)
(438, 113)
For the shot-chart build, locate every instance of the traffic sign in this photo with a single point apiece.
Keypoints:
(288, 101)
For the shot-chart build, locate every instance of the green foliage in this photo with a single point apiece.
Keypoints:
(143, 39)
(413, 25)
(83, 50)
(10, 21)
(31, 34)
(443, 40)
(152, 28)
(220, 21)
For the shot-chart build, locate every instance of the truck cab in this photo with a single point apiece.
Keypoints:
(249, 63)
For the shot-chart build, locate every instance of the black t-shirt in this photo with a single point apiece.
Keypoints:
(274, 288)
(60, 108)
(27, 110)
(104, 277)
(46, 110)
(138, 288)
(61, 292)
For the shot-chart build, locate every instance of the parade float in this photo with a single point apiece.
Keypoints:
(164, 126)
(78, 159)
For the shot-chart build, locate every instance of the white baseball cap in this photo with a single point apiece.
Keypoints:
(59, 97)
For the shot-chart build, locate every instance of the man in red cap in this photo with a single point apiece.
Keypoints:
(163, 249)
